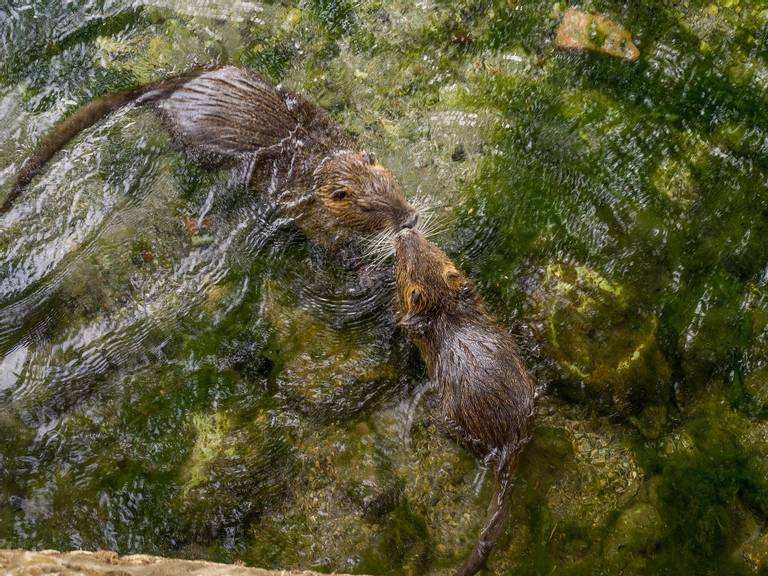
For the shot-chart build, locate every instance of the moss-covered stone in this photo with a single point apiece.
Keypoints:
(573, 477)
(235, 471)
(321, 371)
(651, 422)
(673, 179)
(599, 341)
(638, 530)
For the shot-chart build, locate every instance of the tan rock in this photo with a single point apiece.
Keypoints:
(103, 563)
(583, 31)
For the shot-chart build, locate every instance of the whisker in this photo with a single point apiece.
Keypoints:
(434, 224)
(431, 234)
(378, 244)
(384, 256)
(423, 204)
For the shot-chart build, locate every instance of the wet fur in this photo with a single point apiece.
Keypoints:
(228, 117)
(485, 392)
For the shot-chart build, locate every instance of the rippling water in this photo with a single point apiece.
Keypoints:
(183, 373)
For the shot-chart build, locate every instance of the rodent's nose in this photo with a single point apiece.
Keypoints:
(412, 221)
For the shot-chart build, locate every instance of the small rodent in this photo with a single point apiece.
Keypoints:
(228, 116)
(486, 395)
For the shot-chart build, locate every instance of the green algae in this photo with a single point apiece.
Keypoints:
(709, 489)
(613, 213)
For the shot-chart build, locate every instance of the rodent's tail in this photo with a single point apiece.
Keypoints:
(84, 118)
(497, 513)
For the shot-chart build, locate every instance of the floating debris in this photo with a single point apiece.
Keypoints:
(584, 31)
(194, 225)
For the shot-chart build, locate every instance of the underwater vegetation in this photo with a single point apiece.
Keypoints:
(181, 373)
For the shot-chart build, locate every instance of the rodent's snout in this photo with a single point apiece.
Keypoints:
(412, 220)
(405, 239)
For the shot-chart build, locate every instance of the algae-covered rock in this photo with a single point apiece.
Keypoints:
(585, 31)
(389, 495)
(345, 499)
(754, 553)
(209, 433)
(176, 47)
(711, 491)
(651, 421)
(396, 494)
(323, 371)
(236, 470)
(673, 179)
(638, 530)
(603, 473)
(605, 346)
(403, 545)
(574, 475)
(756, 384)
(442, 481)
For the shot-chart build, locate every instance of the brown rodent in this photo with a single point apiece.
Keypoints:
(486, 395)
(228, 116)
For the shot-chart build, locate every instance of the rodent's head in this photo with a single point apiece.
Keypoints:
(363, 194)
(428, 282)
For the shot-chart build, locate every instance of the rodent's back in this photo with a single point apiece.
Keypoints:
(484, 386)
(486, 393)
(217, 116)
(225, 113)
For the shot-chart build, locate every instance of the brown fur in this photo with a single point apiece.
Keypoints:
(228, 117)
(362, 193)
(486, 394)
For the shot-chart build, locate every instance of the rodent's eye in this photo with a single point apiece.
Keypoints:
(416, 297)
(339, 195)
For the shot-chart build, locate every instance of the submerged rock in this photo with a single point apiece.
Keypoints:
(651, 421)
(673, 178)
(638, 529)
(607, 349)
(235, 470)
(584, 31)
(346, 506)
(323, 371)
(754, 554)
(577, 471)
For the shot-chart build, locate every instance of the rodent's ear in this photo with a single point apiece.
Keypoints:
(369, 157)
(453, 278)
(416, 297)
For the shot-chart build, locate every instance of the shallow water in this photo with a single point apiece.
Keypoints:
(182, 373)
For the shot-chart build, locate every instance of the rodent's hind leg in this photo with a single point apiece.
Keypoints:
(453, 429)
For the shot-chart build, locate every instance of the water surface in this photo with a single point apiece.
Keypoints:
(182, 373)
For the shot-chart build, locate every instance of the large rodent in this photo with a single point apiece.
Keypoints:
(486, 395)
(228, 116)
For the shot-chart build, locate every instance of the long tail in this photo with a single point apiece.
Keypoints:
(84, 118)
(497, 513)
